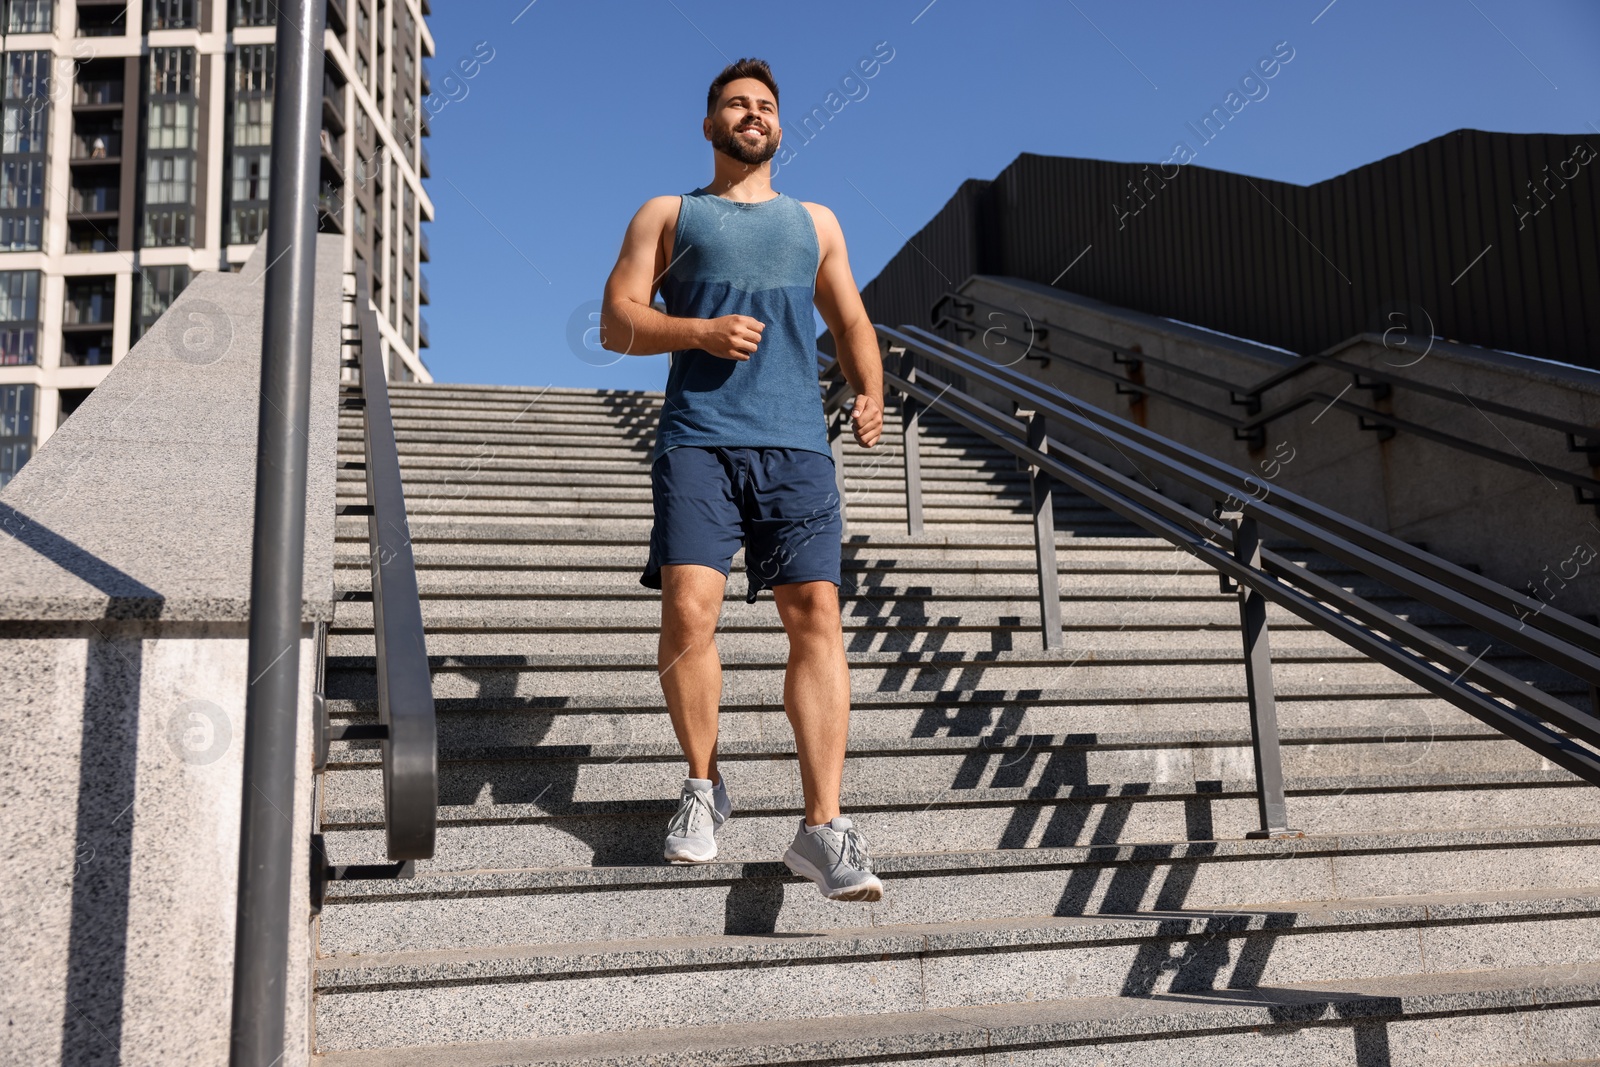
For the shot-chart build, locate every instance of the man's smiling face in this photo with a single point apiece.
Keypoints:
(744, 125)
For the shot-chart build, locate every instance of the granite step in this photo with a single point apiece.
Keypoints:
(464, 632)
(999, 555)
(485, 774)
(507, 991)
(467, 494)
(530, 675)
(1075, 716)
(468, 453)
(458, 629)
(578, 531)
(597, 505)
(1460, 1019)
(547, 828)
(351, 529)
(639, 436)
(537, 476)
(581, 427)
(619, 576)
(561, 905)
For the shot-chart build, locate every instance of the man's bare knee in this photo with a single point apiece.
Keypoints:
(808, 607)
(691, 602)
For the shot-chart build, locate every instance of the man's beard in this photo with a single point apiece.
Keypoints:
(730, 144)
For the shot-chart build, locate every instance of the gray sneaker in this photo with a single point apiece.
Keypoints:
(702, 809)
(835, 857)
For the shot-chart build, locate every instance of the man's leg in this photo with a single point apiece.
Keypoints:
(816, 690)
(687, 661)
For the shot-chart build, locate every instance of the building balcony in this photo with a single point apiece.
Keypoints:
(100, 93)
(422, 247)
(247, 224)
(333, 155)
(336, 18)
(97, 149)
(86, 347)
(422, 288)
(92, 233)
(424, 167)
(99, 200)
(102, 18)
(422, 332)
(332, 103)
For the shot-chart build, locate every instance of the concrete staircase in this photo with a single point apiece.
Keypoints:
(1061, 834)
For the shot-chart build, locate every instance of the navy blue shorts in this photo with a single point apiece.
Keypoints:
(782, 504)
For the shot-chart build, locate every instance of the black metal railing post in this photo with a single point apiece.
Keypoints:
(1044, 534)
(277, 568)
(910, 420)
(1270, 802)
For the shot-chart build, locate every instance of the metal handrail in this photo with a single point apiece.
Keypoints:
(1230, 542)
(1252, 426)
(1412, 560)
(406, 725)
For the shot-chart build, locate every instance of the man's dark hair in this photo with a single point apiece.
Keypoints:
(744, 68)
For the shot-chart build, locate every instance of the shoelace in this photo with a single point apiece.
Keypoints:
(691, 805)
(854, 850)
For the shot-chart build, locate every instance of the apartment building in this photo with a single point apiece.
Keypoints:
(135, 153)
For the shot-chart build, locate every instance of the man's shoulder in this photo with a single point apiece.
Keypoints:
(661, 205)
(829, 233)
(820, 212)
(657, 215)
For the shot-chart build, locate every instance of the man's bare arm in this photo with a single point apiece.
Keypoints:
(629, 325)
(839, 303)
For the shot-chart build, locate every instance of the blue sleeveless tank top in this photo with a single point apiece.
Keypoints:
(759, 260)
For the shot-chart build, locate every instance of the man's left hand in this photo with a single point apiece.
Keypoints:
(866, 420)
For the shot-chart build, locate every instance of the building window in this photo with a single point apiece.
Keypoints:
(86, 324)
(91, 301)
(28, 16)
(361, 220)
(19, 317)
(157, 287)
(16, 428)
(26, 103)
(250, 142)
(252, 12)
(173, 14)
(169, 163)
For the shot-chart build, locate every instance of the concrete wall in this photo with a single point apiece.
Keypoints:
(123, 624)
(1521, 528)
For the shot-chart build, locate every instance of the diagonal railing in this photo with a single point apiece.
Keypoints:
(957, 311)
(406, 726)
(1230, 541)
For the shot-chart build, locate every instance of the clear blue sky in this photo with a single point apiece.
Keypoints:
(590, 107)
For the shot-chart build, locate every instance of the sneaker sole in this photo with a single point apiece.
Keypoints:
(865, 893)
(685, 859)
(688, 861)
